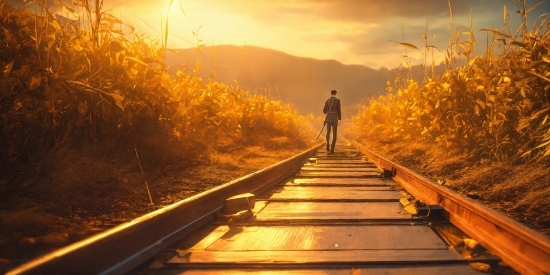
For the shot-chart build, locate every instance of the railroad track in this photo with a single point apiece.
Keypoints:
(316, 213)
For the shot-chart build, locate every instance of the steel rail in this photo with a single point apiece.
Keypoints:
(524, 249)
(122, 248)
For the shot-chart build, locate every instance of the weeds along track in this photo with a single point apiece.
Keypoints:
(317, 212)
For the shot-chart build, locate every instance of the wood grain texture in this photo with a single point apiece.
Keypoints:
(333, 237)
(343, 181)
(332, 211)
(329, 194)
(312, 257)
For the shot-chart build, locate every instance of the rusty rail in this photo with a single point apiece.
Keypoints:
(120, 249)
(524, 249)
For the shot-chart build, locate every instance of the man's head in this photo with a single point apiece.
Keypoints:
(333, 92)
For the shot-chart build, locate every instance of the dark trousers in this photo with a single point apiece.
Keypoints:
(331, 125)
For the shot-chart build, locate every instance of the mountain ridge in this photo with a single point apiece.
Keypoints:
(302, 81)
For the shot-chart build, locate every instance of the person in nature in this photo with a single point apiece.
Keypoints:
(333, 118)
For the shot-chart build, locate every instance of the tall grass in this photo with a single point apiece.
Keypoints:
(67, 82)
(496, 105)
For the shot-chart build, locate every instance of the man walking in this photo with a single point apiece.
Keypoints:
(333, 118)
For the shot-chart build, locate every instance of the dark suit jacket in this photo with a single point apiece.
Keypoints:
(332, 111)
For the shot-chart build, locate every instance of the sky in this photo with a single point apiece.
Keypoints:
(349, 31)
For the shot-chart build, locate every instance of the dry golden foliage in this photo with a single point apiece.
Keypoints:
(64, 83)
(496, 105)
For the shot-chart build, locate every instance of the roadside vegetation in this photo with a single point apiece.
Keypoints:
(495, 106)
(491, 110)
(94, 132)
(79, 83)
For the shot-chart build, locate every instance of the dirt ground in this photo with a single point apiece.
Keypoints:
(83, 199)
(85, 196)
(518, 191)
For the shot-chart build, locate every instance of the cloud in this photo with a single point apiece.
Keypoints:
(275, 11)
(350, 31)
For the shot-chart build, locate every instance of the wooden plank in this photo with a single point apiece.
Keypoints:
(341, 165)
(342, 181)
(316, 257)
(340, 153)
(320, 159)
(338, 150)
(524, 249)
(335, 188)
(350, 153)
(352, 156)
(331, 211)
(343, 161)
(402, 269)
(208, 240)
(335, 237)
(120, 249)
(322, 189)
(339, 169)
(329, 194)
(309, 174)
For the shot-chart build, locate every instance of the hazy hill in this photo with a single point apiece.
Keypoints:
(304, 82)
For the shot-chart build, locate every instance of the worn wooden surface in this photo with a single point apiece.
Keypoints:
(317, 256)
(320, 237)
(318, 193)
(341, 165)
(347, 161)
(370, 269)
(334, 188)
(332, 211)
(335, 216)
(341, 182)
(331, 174)
(339, 169)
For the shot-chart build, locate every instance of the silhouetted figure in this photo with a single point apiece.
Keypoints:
(333, 118)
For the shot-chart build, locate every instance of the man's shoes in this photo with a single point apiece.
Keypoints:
(328, 149)
(332, 151)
